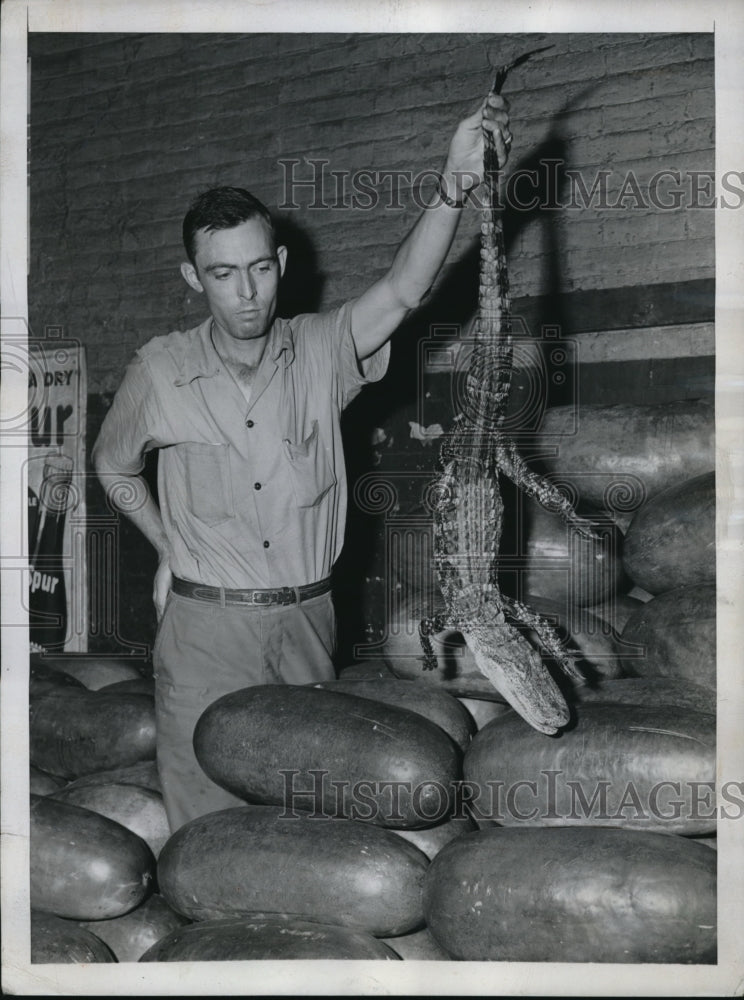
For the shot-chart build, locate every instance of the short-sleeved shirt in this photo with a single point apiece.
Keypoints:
(252, 494)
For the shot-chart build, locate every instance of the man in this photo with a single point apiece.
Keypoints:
(252, 489)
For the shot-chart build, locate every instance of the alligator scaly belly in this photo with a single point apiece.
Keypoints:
(468, 508)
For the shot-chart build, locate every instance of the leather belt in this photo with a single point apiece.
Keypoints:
(253, 598)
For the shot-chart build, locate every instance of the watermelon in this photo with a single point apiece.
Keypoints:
(482, 711)
(41, 783)
(650, 691)
(650, 767)
(135, 685)
(674, 635)
(262, 859)
(598, 645)
(709, 840)
(92, 671)
(43, 678)
(365, 671)
(419, 946)
(269, 743)
(433, 838)
(578, 894)
(75, 731)
(457, 672)
(616, 610)
(54, 940)
(471, 684)
(563, 566)
(436, 706)
(265, 938)
(671, 541)
(617, 456)
(85, 866)
(130, 935)
(144, 773)
(140, 810)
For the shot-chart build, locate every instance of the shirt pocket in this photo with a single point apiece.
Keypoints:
(310, 468)
(209, 492)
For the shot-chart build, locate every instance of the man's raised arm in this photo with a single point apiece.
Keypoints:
(381, 309)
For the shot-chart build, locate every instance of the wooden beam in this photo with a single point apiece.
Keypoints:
(665, 304)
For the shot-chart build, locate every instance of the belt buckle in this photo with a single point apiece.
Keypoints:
(261, 597)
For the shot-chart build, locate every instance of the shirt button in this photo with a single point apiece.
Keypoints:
(249, 423)
(266, 545)
(256, 486)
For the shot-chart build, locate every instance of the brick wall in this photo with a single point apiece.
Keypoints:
(126, 129)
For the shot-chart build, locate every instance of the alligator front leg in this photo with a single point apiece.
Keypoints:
(511, 463)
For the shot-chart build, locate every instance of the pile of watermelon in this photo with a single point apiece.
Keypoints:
(97, 817)
(396, 814)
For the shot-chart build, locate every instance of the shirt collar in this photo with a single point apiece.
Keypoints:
(200, 359)
(281, 341)
(203, 361)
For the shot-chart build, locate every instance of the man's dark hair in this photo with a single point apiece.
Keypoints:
(221, 208)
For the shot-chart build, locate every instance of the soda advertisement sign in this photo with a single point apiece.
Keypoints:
(55, 477)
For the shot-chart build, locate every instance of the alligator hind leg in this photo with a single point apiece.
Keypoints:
(427, 628)
(431, 626)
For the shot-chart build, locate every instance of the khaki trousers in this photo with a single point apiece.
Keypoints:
(203, 651)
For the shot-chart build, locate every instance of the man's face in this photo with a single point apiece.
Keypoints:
(238, 270)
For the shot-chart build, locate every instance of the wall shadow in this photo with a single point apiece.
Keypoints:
(301, 287)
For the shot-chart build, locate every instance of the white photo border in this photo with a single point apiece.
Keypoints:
(726, 19)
